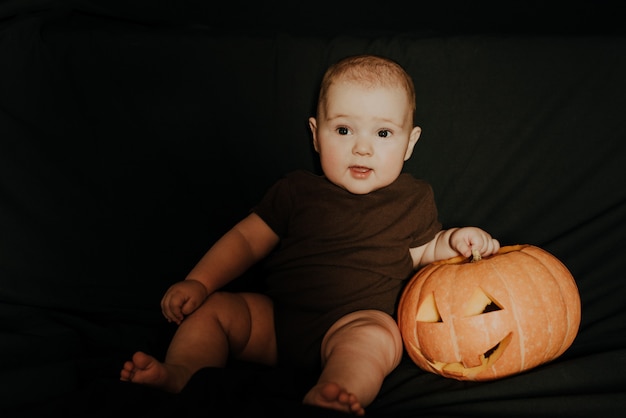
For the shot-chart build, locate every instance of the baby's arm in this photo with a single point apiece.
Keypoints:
(452, 242)
(246, 243)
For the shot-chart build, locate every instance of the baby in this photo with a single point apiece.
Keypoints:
(338, 247)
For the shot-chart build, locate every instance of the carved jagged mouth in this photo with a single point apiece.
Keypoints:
(457, 369)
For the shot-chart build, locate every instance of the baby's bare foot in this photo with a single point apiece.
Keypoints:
(332, 396)
(146, 370)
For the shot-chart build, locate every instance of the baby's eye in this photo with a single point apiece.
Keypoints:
(343, 130)
(384, 133)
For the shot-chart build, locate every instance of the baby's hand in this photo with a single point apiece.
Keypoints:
(181, 299)
(468, 239)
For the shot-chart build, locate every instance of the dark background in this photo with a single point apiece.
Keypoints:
(335, 17)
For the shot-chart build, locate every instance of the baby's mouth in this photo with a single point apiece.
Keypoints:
(360, 169)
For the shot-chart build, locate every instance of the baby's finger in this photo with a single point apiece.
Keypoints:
(495, 245)
(464, 249)
(489, 246)
(171, 309)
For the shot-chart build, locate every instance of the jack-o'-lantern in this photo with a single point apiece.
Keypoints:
(484, 319)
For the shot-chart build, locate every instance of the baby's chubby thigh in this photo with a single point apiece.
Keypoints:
(248, 322)
(368, 335)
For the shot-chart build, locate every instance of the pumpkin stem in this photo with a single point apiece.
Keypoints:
(475, 255)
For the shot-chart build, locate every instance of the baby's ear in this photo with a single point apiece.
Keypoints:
(313, 127)
(413, 137)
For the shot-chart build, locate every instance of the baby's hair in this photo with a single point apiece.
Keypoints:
(371, 71)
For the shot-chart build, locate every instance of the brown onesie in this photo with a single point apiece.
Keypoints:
(339, 252)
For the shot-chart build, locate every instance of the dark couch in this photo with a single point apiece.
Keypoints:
(132, 137)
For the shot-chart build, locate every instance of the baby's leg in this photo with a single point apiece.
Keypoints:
(239, 324)
(358, 352)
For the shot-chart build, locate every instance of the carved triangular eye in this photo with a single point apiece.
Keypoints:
(428, 311)
(481, 303)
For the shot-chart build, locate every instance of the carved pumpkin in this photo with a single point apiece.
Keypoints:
(492, 317)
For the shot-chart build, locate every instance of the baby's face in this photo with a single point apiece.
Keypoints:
(364, 135)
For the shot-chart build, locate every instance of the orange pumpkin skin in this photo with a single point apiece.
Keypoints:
(448, 329)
